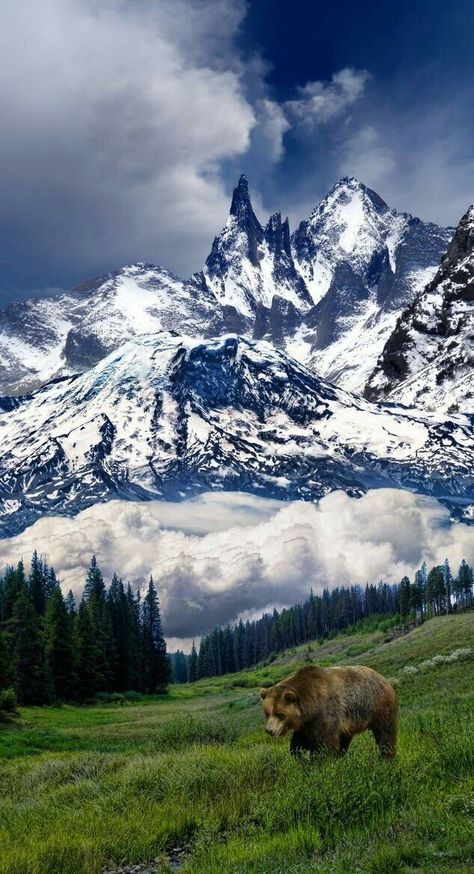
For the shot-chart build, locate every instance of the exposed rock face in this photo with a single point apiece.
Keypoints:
(428, 360)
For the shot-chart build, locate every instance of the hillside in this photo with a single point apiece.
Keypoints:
(192, 783)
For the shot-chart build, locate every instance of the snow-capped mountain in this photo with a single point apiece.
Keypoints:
(337, 285)
(45, 338)
(166, 416)
(363, 263)
(428, 360)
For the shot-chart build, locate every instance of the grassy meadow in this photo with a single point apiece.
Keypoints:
(83, 789)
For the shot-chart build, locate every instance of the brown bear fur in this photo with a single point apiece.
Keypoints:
(326, 707)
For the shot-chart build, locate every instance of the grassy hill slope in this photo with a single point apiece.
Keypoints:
(83, 789)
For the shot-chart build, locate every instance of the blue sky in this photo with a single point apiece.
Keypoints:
(125, 123)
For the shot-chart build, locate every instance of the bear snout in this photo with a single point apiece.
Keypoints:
(276, 727)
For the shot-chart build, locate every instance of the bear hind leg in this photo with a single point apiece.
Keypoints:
(386, 740)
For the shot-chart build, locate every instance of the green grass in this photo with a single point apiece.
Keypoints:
(83, 788)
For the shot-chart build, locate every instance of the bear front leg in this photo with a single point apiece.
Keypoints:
(344, 742)
(300, 744)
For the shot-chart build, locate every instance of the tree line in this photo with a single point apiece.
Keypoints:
(112, 642)
(52, 650)
(241, 646)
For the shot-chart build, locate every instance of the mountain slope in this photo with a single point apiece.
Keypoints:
(347, 272)
(428, 360)
(166, 416)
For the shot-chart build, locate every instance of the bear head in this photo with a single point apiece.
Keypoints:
(282, 710)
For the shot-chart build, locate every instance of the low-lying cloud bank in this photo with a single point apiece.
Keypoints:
(223, 555)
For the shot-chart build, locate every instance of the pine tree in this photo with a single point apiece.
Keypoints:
(37, 584)
(448, 584)
(24, 628)
(134, 666)
(418, 595)
(435, 591)
(70, 603)
(405, 598)
(192, 665)
(464, 583)
(6, 674)
(101, 623)
(155, 661)
(14, 583)
(94, 582)
(59, 647)
(123, 634)
(88, 681)
(51, 582)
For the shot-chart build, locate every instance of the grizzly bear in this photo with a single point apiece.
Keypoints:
(326, 707)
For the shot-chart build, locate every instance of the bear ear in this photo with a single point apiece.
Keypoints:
(263, 693)
(289, 695)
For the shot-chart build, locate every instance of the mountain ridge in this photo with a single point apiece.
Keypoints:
(253, 283)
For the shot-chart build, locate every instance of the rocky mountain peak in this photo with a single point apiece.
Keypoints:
(242, 232)
(241, 202)
(346, 191)
(345, 275)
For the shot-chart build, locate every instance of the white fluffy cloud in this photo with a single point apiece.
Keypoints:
(364, 155)
(122, 117)
(320, 102)
(272, 124)
(224, 555)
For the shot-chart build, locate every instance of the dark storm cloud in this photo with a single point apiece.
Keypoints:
(125, 122)
(115, 117)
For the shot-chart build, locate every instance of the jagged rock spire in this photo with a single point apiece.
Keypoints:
(242, 211)
(241, 197)
(277, 234)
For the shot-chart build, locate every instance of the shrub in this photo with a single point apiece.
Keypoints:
(8, 705)
(110, 698)
(133, 696)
